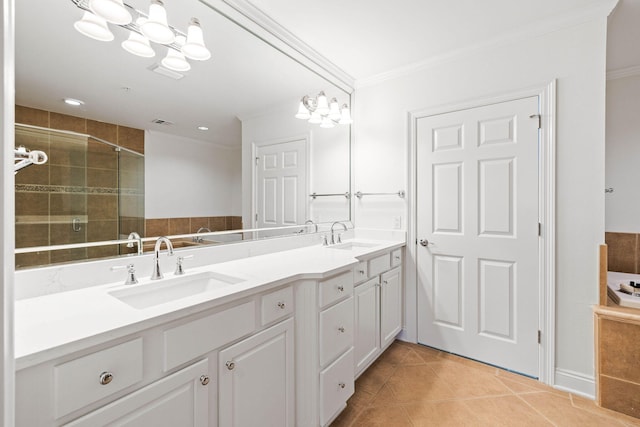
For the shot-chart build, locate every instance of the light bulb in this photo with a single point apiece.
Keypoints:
(175, 60)
(112, 11)
(323, 106)
(155, 28)
(334, 109)
(94, 27)
(138, 44)
(345, 116)
(194, 47)
(303, 112)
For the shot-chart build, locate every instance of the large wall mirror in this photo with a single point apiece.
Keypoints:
(161, 152)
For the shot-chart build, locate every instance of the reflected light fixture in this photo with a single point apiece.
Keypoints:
(73, 102)
(325, 113)
(143, 29)
(112, 11)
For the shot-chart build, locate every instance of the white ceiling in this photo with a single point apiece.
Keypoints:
(245, 75)
(369, 37)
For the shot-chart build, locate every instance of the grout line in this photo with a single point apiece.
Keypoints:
(536, 410)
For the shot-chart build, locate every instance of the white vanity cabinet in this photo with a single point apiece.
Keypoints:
(378, 306)
(167, 374)
(256, 380)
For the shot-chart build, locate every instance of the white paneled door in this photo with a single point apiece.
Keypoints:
(281, 183)
(477, 226)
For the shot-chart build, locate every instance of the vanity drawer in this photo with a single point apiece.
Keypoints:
(396, 257)
(277, 305)
(336, 330)
(379, 264)
(90, 378)
(360, 272)
(336, 386)
(190, 340)
(335, 288)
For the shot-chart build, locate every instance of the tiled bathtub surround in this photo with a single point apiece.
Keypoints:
(82, 181)
(623, 252)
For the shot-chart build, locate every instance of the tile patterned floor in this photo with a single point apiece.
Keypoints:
(412, 385)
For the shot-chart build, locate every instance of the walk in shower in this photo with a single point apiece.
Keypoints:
(89, 190)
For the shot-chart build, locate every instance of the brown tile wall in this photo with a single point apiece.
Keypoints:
(43, 217)
(173, 226)
(623, 252)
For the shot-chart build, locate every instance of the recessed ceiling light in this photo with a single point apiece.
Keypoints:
(203, 128)
(73, 102)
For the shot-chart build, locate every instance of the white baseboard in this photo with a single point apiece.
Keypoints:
(575, 382)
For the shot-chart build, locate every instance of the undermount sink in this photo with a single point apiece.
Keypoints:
(347, 246)
(162, 291)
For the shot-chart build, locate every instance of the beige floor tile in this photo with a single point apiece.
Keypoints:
(413, 358)
(451, 413)
(561, 412)
(505, 411)
(374, 378)
(395, 354)
(418, 384)
(427, 354)
(469, 382)
(591, 406)
(385, 397)
(521, 384)
(387, 416)
(468, 363)
(355, 405)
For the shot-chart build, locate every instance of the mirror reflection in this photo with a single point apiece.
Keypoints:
(157, 151)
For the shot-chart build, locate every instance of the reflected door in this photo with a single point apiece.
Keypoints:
(477, 213)
(281, 184)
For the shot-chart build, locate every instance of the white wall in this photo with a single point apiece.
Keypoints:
(184, 177)
(574, 56)
(328, 157)
(622, 212)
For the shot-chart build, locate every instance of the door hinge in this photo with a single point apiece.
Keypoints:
(539, 229)
(256, 217)
(257, 160)
(539, 336)
(539, 117)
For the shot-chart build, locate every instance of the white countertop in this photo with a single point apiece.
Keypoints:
(52, 325)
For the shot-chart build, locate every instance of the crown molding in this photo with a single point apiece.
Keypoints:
(621, 73)
(254, 20)
(559, 22)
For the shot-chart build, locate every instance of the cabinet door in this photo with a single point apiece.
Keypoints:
(390, 305)
(367, 340)
(181, 399)
(256, 380)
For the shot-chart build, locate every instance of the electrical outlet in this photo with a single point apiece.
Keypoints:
(397, 222)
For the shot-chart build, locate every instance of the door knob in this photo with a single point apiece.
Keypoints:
(425, 242)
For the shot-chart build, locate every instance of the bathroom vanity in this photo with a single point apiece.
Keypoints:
(271, 340)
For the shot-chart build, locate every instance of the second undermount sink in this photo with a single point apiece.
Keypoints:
(162, 291)
(347, 246)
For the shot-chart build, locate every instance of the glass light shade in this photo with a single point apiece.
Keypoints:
(155, 28)
(315, 118)
(194, 47)
(345, 116)
(327, 123)
(175, 60)
(334, 110)
(138, 45)
(302, 113)
(323, 106)
(112, 11)
(94, 27)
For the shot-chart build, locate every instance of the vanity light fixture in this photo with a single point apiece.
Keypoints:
(143, 28)
(325, 113)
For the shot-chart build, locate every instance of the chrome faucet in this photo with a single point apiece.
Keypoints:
(339, 239)
(200, 230)
(135, 237)
(156, 264)
(310, 222)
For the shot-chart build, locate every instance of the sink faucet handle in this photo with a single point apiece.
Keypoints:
(339, 238)
(179, 267)
(324, 240)
(131, 273)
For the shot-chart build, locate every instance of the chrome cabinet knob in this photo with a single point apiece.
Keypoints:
(397, 257)
(281, 305)
(341, 329)
(106, 378)
(385, 282)
(341, 288)
(361, 272)
(204, 379)
(342, 385)
(230, 365)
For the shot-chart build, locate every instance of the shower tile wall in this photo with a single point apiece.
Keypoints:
(85, 176)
